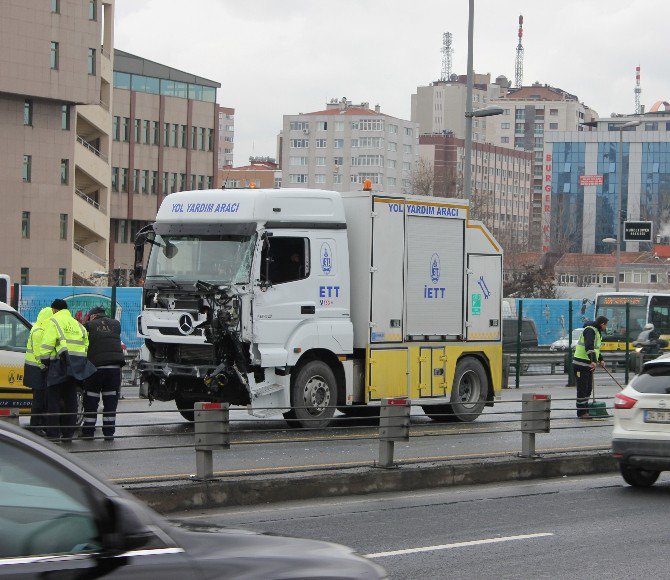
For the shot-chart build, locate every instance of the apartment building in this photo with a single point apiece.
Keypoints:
(226, 141)
(165, 129)
(440, 107)
(501, 183)
(56, 59)
(262, 173)
(529, 112)
(340, 147)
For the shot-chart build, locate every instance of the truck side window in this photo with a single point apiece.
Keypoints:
(288, 260)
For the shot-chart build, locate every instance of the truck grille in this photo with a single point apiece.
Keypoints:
(192, 354)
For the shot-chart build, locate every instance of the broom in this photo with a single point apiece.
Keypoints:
(598, 408)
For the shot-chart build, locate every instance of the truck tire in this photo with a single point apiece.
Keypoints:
(469, 391)
(185, 407)
(440, 413)
(360, 411)
(313, 397)
(638, 477)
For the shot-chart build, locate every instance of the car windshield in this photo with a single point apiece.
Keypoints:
(654, 379)
(212, 258)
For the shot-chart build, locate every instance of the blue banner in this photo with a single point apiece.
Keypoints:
(551, 316)
(81, 299)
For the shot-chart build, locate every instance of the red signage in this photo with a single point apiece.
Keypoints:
(590, 180)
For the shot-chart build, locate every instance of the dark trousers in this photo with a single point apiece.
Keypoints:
(584, 377)
(62, 398)
(105, 382)
(39, 407)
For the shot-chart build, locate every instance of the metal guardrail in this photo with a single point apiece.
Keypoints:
(90, 254)
(537, 413)
(92, 149)
(89, 200)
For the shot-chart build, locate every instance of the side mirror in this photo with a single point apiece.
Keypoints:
(123, 529)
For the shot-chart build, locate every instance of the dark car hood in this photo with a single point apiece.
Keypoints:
(231, 553)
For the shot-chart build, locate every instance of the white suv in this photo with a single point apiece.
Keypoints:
(641, 437)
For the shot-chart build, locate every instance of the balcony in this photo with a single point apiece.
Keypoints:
(88, 213)
(90, 160)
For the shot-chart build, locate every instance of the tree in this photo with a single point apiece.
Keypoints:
(422, 178)
(533, 282)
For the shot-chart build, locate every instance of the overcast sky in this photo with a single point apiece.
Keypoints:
(276, 57)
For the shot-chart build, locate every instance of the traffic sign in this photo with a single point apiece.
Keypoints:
(637, 231)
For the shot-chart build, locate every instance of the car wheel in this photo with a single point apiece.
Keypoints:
(185, 407)
(638, 477)
(313, 397)
(469, 391)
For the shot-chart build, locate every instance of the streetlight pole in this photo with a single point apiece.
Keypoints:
(467, 173)
(619, 214)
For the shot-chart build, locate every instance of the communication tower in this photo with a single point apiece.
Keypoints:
(447, 54)
(637, 91)
(518, 67)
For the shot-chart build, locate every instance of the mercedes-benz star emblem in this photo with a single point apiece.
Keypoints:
(186, 324)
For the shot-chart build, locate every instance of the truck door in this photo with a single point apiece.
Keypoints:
(484, 297)
(287, 296)
(388, 254)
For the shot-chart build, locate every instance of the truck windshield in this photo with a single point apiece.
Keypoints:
(212, 258)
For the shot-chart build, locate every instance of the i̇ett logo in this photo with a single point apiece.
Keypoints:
(326, 258)
(434, 268)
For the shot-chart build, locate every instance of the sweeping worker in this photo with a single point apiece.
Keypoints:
(587, 357)
(106, 353)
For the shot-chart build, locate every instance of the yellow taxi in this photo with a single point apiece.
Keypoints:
(14, 331)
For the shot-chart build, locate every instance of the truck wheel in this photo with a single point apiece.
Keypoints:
(313, 396)
(638, 477)
(185, 407)
(359, 411)
(469, 391)
(440, 413)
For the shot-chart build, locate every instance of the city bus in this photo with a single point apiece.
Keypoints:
(644, 307)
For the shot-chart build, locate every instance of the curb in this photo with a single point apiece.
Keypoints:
(166, 497)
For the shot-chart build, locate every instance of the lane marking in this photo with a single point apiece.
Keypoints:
(456, 545)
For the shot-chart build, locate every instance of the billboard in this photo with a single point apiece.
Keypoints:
(590, 180)
(637, 231)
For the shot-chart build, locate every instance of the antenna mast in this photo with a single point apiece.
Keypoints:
(447, 53)
(518, 67)
(637, 91)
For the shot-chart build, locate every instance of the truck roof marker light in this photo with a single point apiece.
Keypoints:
(367, 185)
(252, 185)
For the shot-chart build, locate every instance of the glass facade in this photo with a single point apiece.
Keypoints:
(606, 194)
(567, 196)
(156, 86)
(655, 184)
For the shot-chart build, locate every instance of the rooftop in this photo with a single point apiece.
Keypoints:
(130, 63)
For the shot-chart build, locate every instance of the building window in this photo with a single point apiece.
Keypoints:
(91, 61)
(125, 129)
(321, 143)
(194, 182)
(25, 225)
(338, 143)
(62, 274)
(299, 143)
(63, 226)
(339, 125)
(55, 6)
(136, 181)
(553, 126)
(319, 178)
(337, 178)
(637, 277)
(28, 112)
(115, 179)
(653, 278)
(27, 167)
(65, 117)
(25, 276)
(183, 137)
(504, 139)
(175, 135)
(144, 182)
(322, 126)
(621, 277)
(504, 125)
(194, 137)
(115, 127)
(553, 112)
(64, 171)
(154, 133)
(182, 182)
(299, 126)
(202, 138)
(146, 132)
(54, 55)
(124, 179)
(154, 182)
(92, 9)
(320, 161)
(298, 178)
(210, 139)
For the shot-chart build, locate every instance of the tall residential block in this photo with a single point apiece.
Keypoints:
(529, 112)
(56, 59)
(340, 147)
(226, 141)
(165, 138)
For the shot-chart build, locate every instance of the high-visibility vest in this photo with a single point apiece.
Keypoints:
(33, 375)
(580, 349)
(64, 338)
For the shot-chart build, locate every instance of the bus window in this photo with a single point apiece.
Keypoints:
(659, 313)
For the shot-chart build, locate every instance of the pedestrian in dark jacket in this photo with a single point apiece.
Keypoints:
(587, 357)
(106, 353)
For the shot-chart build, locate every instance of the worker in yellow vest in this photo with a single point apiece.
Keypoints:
(63, 351)
(587, 357)
(35, 373)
